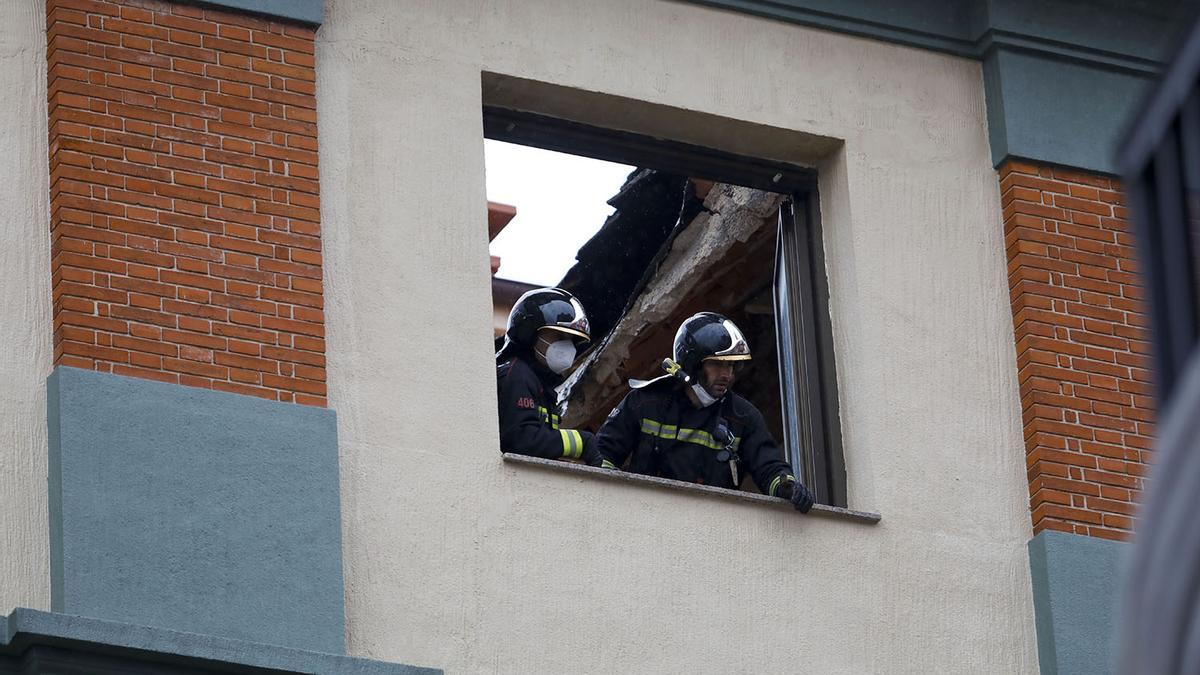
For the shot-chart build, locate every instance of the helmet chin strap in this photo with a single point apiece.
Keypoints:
(706, 399)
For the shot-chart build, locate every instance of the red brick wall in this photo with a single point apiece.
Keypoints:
(184, 203)
(1082, 349)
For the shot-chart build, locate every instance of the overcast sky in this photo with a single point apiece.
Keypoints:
(561, 202)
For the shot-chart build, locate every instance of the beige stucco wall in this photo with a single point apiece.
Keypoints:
(456, 560)
(25, 335)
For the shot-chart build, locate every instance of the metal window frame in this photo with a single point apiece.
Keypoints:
(812, 428)
(1159, 160)
(806, 398)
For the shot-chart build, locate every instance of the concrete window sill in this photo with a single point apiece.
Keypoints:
(818, 510)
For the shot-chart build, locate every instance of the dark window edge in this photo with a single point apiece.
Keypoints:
(818, 510)
(634, 149)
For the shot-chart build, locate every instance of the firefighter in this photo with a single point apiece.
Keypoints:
(689, 425)
(547, 329)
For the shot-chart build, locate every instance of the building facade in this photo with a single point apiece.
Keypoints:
(248, 406)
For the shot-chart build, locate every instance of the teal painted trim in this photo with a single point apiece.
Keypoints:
(917, 24)
(1058, 111)
(207, 653)
(54, 480)
(195, 510)
(1061, 76)
(1075, 588)
(1133, 30)
(1043, 611)
(993, 91)
(303, 11)
(1130, 33)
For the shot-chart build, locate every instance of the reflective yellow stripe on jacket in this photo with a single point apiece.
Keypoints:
(572, 443)
(672, 433)
(774, 484)
(548, 417)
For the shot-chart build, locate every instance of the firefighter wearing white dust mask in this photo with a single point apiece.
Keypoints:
(547, 329)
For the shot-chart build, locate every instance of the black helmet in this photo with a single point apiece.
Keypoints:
(708, 336)
(551, 308)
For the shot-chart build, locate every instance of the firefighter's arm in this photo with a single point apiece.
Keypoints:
(521, 427)
(618, 436)
(763, 458)
(771, 473)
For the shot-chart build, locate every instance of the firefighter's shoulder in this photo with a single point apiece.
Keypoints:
(742, 409)
(517, 369)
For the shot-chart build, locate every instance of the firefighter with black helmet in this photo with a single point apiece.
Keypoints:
(689, 425)
(547, 328)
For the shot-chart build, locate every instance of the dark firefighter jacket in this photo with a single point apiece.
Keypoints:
(662, 434)
(529, 415)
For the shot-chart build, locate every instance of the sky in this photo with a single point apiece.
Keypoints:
(561, 202)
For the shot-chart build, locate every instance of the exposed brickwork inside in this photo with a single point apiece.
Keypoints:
(184, 200)
(1082, 349)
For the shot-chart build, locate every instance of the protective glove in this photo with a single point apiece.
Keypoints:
(795, 492)
(591, 454)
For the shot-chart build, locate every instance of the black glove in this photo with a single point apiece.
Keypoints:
(795, 492)
(591, 454)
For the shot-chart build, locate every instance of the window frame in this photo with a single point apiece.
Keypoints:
(814, 411)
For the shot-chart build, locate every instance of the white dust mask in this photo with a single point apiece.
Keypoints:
(560, 355)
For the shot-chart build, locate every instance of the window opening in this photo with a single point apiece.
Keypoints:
(688, 230)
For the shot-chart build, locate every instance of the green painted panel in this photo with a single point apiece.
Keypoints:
(1075, 589)
(194, 510)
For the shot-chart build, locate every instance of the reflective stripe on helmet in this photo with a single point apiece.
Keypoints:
(739, 349)
(569, 331)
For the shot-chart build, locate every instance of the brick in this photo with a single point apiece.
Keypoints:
(289, 98)
(102, 323)
(157, 318)
(1104, 533)
(309, 343)
(240, 274)
(185, 24)
(147, 346)
(145, 287)
(290, 326)
(247, 362)
(246, 333)
(287, 43)
(294, 356)
(295, 269)
(196, 368)
(90, 291)
(195, 309)
(244, 304)
(1067, 513)
(237, 47)
(95, 352)
(1076, 355)
(238, 388)
(182, 207)
(293, 297)
(237, 159)
(1108, 478)
(295, 384)
(194, 339)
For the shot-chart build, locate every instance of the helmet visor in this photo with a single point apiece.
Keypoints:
(580, 336)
